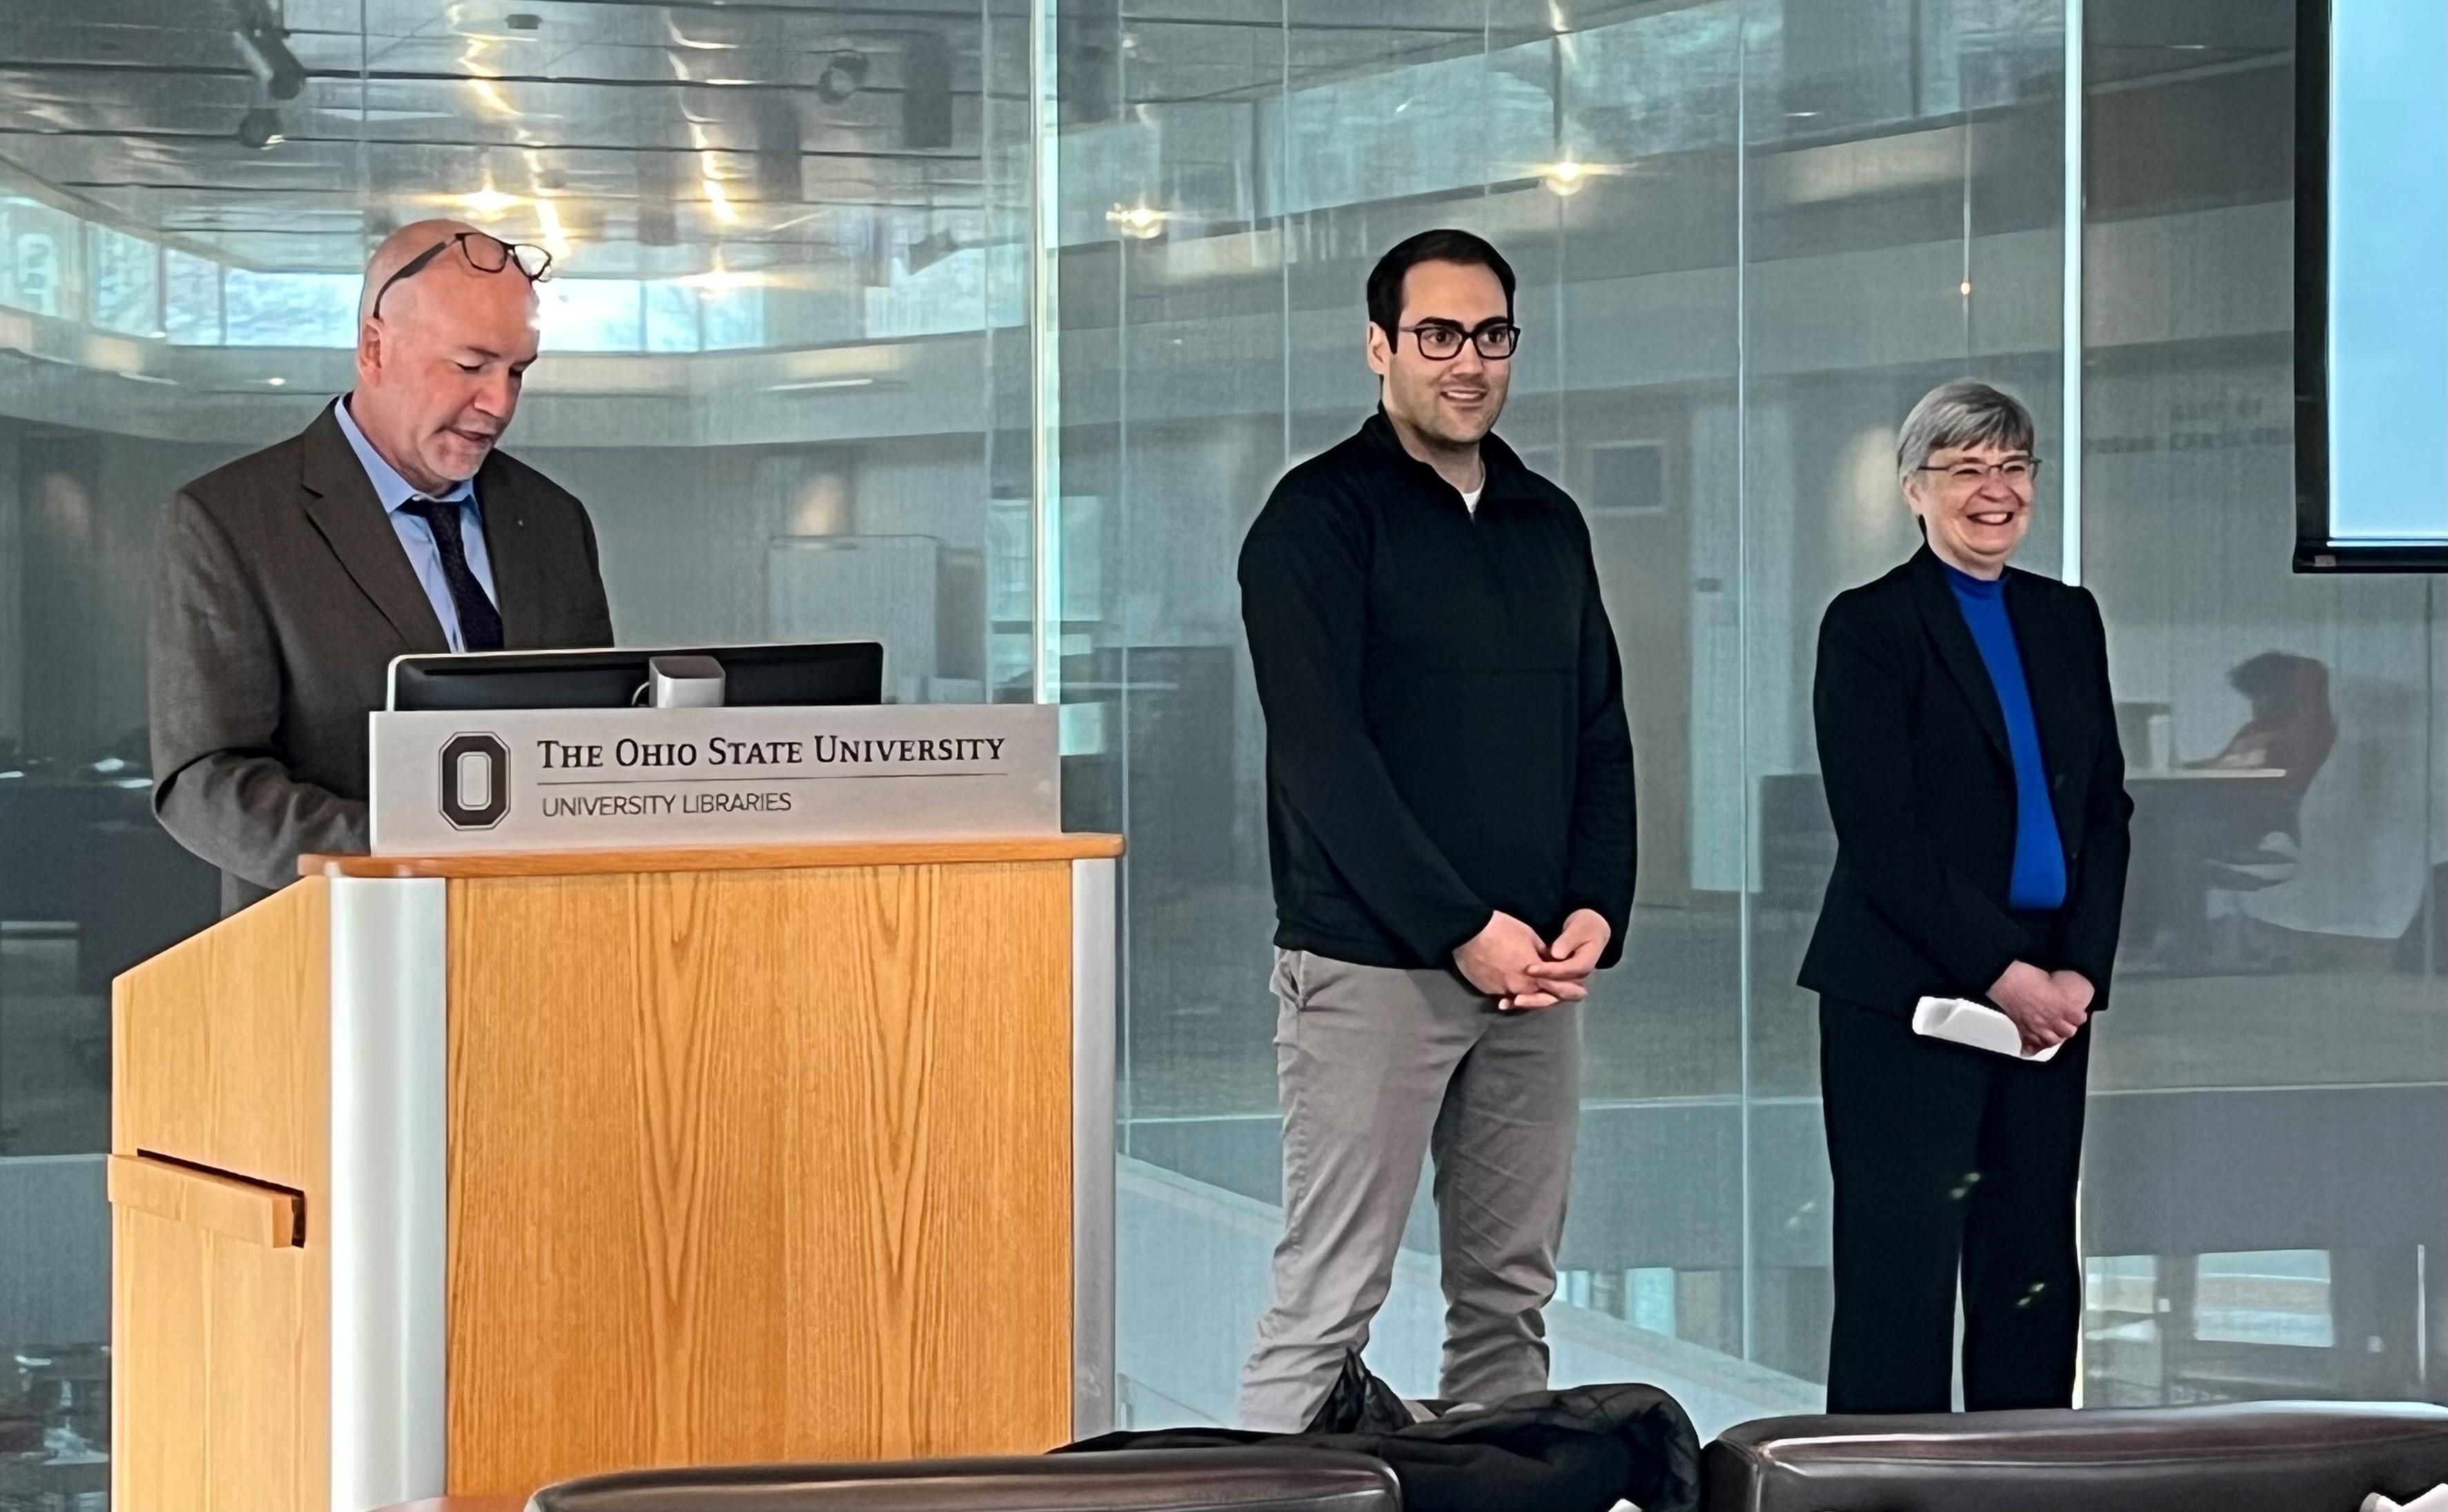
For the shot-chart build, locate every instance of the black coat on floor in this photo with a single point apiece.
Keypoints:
(1581, 1450)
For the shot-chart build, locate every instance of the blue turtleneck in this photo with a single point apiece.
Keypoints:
(2039, 879)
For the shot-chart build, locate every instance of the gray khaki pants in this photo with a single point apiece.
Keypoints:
(1378, 1068)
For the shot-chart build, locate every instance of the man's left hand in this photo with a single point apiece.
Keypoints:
(1572, 957)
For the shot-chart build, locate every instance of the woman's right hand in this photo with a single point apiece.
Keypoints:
(2039, 1006)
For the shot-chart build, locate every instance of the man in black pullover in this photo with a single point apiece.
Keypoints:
(1449, 812)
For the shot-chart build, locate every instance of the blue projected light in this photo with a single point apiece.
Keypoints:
(2385, 397)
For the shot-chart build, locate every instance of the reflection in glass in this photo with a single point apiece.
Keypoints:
(289, 309)
(191, 313)
(1790, 220)
(2277, 1297)
(591, 314)
(2271, 1085)
(671, 318)
(40, 271)
(126, 282)
(733, 318)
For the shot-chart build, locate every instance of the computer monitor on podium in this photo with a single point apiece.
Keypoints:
(833, 671)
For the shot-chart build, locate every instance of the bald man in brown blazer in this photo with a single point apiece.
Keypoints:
(289, 579)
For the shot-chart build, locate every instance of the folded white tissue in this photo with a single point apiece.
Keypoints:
(2435, 1500)
(1981, 1027)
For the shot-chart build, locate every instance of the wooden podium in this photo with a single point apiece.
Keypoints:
(470, 1174)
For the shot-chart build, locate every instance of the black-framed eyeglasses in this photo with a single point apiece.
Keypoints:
(2016, 471)
(485, 254)
(1442, 340)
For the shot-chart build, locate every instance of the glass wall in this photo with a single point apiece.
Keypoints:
(785, 370)
(1750, 235)
(2268, 1156)
(799, 371)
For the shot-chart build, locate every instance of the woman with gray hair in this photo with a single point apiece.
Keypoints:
(1969, 747)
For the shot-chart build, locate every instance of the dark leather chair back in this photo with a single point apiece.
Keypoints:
(1134, 1481)
(2280, 1456)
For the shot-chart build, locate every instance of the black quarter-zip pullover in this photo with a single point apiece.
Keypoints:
(1445, 732)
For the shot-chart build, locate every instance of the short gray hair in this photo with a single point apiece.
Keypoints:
(1963, 413)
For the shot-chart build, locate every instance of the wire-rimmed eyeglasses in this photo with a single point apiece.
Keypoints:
(2016, 472)
(1442, 340)
(485, 254)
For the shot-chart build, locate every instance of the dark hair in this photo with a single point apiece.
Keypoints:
(1386, 280)
(2274, 676)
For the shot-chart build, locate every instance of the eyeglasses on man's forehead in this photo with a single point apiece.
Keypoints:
(485, 254)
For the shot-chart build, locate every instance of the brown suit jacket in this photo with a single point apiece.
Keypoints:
(281, 596)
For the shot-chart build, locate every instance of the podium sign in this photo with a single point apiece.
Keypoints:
(447, 782)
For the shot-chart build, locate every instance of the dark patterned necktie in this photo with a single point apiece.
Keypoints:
(480, 623)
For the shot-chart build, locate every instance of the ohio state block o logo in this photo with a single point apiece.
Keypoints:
(475, 781)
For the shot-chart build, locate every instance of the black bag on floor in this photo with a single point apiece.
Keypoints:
(1577, 1451)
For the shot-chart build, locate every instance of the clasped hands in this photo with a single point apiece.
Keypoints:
(2047, 1006)
(1509, 963)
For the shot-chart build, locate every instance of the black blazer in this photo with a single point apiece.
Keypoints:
(1912, 745)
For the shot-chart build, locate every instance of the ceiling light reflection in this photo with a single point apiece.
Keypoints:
(487, 203)
(490, 101)
(719, 279)
(1140, 221)
(556, 235)
(1566, 176)
(681, 39)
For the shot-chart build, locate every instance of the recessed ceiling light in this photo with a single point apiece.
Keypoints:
(275, 382)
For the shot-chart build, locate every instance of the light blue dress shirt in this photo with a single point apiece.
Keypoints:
(416, 537)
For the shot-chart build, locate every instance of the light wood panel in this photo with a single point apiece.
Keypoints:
(222, 1367)
(734, 858)
(261, 1215)
(216, 1407)
(756, 1165)
(220, 1045)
